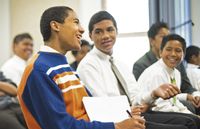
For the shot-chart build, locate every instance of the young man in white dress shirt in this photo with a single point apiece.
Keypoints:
(192, 58)
(96, 72)
(14, 67)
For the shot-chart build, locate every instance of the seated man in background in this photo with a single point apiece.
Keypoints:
(155, 34)
(192, 58)
(79, 55)
(96, 72)
(11, 116)
(22, 49)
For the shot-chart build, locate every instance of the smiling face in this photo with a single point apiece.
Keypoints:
(24, 48)
(172, 53)
(70, 33)
(66, 35)
(104, 36)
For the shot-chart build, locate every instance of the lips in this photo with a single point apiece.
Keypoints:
(172, 61)
(106, 43)
(29, 52)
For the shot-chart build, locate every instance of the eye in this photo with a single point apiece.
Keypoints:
(110, 29)
(168, 49)
(179, 50)
(76, 21)
(97, 31)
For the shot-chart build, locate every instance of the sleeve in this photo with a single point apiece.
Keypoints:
(89, 74)
(44, 100)
(149, 80)
(186, 86)
(147, 84)
(4, 79)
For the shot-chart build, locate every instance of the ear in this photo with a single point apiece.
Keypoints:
(14, 46)
(151, 41)
(55, 26)
(90, 35)
(193, 58)
(160, 53)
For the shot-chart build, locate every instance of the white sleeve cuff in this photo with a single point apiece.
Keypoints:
(182, 96)
(196, 93)
(147, 98)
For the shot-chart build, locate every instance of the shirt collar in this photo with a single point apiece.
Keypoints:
(45, 48)
(169, 70)
(19, 59)
(100, 53)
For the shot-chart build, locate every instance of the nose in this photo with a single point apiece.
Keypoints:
(173, 53)
(81, 29)
(105, 35)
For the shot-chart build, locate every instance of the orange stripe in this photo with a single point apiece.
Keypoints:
(31, 122)
(69, 83)
(62, 75)
(74, 104)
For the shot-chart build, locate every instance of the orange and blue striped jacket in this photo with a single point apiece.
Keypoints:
(50, 95)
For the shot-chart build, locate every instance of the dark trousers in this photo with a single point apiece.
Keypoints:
(171, 120)
(12, 118)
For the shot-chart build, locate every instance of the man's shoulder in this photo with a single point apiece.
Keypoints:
(144, 60)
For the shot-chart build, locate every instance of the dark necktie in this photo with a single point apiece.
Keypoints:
(120, 79)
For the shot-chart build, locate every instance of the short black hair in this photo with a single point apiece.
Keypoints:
(173, 37)
(20, 37)
(58, 14)
(83, 43)
(99, 16)
(155, 28)
(190, 51)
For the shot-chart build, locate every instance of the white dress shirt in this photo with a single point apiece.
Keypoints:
(14, 68)
(156, 75)
(194, 75)
(95, 71)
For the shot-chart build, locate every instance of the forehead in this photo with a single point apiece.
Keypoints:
(174, 43)
(71, 16)
(25, 41)
(164, 31)
(103, 24)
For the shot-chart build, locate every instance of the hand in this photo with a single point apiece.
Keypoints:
(137, 110)
(2, 93)
(135, 122)
(194, 100)
(166, 91)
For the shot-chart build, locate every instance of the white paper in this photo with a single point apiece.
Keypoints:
(107, 109)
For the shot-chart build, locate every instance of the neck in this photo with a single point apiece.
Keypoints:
(55, 46)
(155, 52)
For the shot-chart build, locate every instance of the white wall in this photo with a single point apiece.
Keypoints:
(24, 15)
(20, 16)
(5, 30)
(195, 9)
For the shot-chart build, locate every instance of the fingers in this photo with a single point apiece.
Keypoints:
(196, 101)
(168, 90)
(171, 91)
(132, 123)
(139, 122)
(136, 110)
